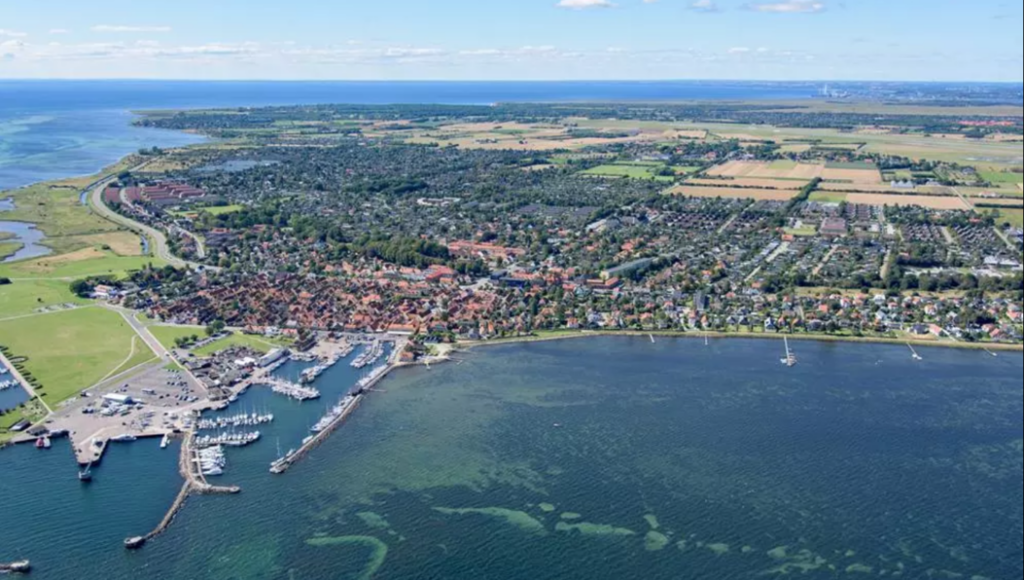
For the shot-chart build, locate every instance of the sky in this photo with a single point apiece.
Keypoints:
(908, 40)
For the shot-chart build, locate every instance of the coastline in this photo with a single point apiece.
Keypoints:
(571, 335)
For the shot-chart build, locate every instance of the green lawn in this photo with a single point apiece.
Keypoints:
(215, 210)
(58, 267)
(997, 177)
(257, 343)
(167, 334)
(828, 197)
(806, 231)
(850, 165)
(70, 351)
(630, 170)
(1014, 217)
(22, 297)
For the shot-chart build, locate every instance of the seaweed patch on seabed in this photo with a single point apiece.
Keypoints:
(379, 550)
(588, 529)
(521, 520)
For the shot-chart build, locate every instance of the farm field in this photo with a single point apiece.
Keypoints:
(80, 264)
(763, 170)
(852, 172)
(932, 202)
(70, 351)
(750, 182)
(23, 297)
(759, 194)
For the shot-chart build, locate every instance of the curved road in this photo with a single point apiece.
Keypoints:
(157, 238)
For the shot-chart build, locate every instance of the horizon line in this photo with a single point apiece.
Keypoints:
(564, 81)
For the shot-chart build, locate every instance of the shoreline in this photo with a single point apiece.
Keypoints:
(1002, 347)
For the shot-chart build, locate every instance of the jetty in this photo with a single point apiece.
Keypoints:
(281, 465)
(362, 387)
(195, 482)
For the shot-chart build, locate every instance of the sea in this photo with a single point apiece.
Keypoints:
(605, 458)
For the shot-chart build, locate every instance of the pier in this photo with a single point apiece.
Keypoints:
(282, 464)
(195, 482)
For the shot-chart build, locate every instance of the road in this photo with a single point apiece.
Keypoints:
(158, 240)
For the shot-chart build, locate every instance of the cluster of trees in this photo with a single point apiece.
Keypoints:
(83, 288)
(407, 252)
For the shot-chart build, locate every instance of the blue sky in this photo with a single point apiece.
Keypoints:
(514, 39)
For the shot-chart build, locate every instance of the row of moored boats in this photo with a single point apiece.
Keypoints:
(369, 356)
(241, 420)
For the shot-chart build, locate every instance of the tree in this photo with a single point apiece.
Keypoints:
(214, 328)
(5, 281)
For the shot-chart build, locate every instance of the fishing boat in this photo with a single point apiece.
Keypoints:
(790, 359)
(85, 475)
(165, 441)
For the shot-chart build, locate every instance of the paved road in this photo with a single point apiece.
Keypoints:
(158, 240)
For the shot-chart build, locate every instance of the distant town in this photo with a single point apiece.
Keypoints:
(433, 226)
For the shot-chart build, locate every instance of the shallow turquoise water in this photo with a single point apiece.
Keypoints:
(603, 459)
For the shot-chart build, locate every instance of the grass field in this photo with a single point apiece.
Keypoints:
(1014, 217)
(71, 351)
(680, 170)
(827, 197)
(23, 297)
(167, 334)
(805, 232)
(81, 264)
(773, 170)
(214, 211)
(630, 170)
(257, 343)
(998, 177)
(9, 249)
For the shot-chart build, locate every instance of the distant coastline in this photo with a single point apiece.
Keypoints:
(572, 335)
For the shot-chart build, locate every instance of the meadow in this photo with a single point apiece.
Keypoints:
(1014, 217)
(70, 351)
(22, 297)
(81, 264)
(630, 170)
(168, 334)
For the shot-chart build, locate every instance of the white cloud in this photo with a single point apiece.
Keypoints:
(117, 28)
(59, 31)
(12, 33)
(790, 7)
(739, 50)
(704, 6)
(585, 4)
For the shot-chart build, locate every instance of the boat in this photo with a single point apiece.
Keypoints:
(85, 475)
(134, 543)
(20, 567)
(165, 441)
(46, 443)
(39, 443)
(124, 438)
(790, 359)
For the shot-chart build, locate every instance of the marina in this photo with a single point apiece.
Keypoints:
(242, 420)
(292, 390)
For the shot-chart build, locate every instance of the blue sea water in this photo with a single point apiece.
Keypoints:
(57, 129)
(602, 459)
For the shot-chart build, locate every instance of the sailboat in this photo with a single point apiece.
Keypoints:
(790, 359)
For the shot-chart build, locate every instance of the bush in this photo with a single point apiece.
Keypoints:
(5, 281)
